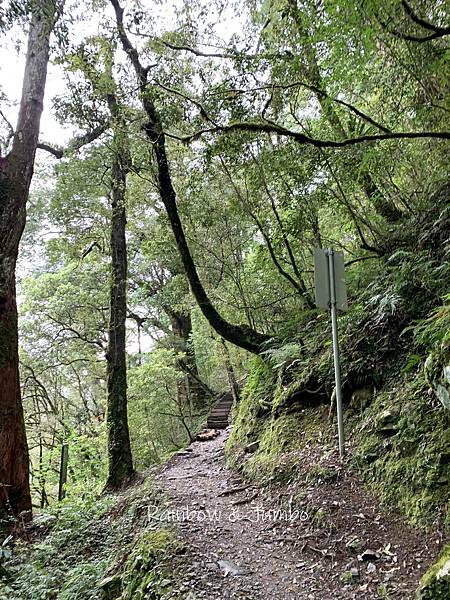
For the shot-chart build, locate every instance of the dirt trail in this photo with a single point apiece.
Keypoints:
(337, 545)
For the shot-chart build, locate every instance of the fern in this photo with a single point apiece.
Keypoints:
(282, 355)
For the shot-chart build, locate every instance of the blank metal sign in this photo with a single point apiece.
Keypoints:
(322, 279)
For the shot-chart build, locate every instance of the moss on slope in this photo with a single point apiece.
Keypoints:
(435, 584)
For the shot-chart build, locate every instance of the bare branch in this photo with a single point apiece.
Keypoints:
(270, 127)
(227, 55)
(78, 141)
(10, 129)
(77, 334)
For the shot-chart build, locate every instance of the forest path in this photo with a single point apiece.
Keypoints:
(338, 546)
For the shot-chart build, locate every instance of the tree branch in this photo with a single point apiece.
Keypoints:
(295, 284)
(270, 127)
(241, 335)
(437, 32)
(55, 151)
(227, 55)
(77, 142)
(10, 128)
(320, 93)
(414, 38)
(196, 103)
(422, 23)
(133, 55)
(77, 334)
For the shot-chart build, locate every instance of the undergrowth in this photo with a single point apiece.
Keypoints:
(98, 548)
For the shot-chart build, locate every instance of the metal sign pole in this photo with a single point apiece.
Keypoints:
(337, 366)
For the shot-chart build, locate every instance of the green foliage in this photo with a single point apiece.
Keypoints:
(83, 544)
(286, 353)
(157, 421)
(254, 206)
(253, 406)
(435, 329)
(59, 563)
(12, 12)
(400, 440)
(435, 584)
(87, 467)
(144, 573)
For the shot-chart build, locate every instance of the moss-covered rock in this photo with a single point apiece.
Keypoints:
(435, 584)
(396, 407)
(143, 575)
(254, 406)
(400, 438)
(402, 450)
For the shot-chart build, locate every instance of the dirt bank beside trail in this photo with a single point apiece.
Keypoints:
(333, 543)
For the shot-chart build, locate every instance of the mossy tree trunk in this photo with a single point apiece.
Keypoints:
(120, 467)
(191, 390)
(234, 386)
(16, 171)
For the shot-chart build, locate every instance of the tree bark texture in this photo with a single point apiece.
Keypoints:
(16, 171)
(234, 386)
(191, 390)
(120, 467)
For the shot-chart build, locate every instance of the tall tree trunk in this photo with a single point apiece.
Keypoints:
(16, 171)
(240, 335)
(191, 390)
(120, 467)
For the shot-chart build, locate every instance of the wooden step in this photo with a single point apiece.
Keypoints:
(219, 416)
(218, 424)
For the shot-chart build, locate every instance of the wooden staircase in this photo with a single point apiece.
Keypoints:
(219, 416)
